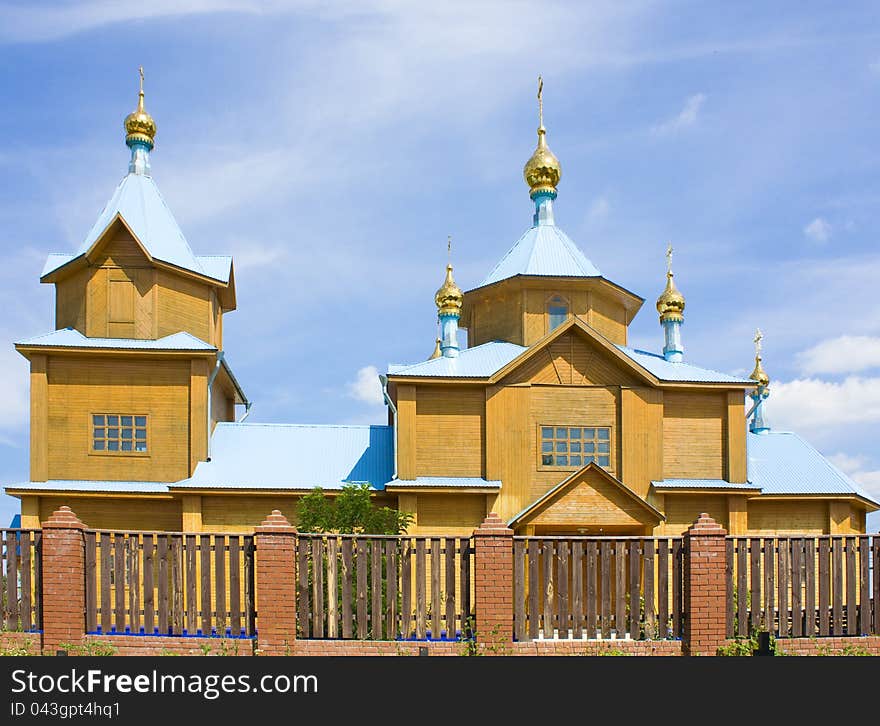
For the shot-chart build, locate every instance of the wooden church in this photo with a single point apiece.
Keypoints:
(548, 418)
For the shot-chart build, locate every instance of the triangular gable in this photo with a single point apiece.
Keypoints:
(108, 236)
(574, 324)
(589, 496)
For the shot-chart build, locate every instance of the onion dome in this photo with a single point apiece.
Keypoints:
(759, 374)
(139, 125)
(438, 352)
(449, 297)
(542, 171)
(670, 304)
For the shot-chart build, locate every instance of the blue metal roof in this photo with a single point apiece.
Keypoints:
(702, 484)
(543, 250)
(295, 456)
(481, 361)
(463, 482)
(780, 462)
(680, 372)
(72, 338)
(70, 485)
(138, 201)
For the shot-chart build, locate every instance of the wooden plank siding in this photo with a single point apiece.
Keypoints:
(802, 587)
(585, 588)
(385, 587)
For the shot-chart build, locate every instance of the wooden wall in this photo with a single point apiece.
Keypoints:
(108, 512)
(122, 295)
(682, 509)
(641, 438)
(449, 431)
(788, 517)
(448, 514)
(79, 387)
(693, 443)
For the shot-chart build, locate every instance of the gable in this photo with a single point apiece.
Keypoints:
(117, 247)
(571, 359)
(592, 497)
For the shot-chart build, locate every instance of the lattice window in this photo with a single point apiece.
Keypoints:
(575, 446)
(119, 433)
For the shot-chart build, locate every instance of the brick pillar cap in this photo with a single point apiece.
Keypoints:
(276, 523)
(63, 518)
(493, 525)
(705, 525)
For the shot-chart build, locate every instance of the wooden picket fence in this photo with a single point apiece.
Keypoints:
(597, 587)
(20, 566)
(169, 583)
(802, 587)
(383, 587)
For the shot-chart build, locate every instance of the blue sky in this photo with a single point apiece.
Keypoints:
(332, 146)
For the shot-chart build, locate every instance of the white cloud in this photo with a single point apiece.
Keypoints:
(819, 230)
(14, 392)
(811, 403)
(854, 467)
(366, 387)
(844, 354)
(599, 209)
(686, 117)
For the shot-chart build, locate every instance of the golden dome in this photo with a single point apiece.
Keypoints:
(759, 374)
(449, 297)
(438, 353)
(139, 125)
(542, 171)
(670, 304)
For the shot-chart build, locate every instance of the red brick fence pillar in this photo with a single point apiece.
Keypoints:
(493, 581)
(64, 580)
(705, 591)
(276, 585)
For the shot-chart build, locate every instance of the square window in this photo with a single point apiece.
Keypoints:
(140, 420)
(546, 446)
(561, 433)
(604, 434)
(562, 446)
(604, 448)
(561, 461)
(99, 445)
(575, 447)
(604, 460)
(98, 420)
(574, 433)
(589, 433)
(546, 432)
(113, 420)
(112, 446)
(575, 460)
(547, 459)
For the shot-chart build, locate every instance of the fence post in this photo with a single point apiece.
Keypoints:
(64, 580)
(493, 583)
(275, 541)
(705, 591)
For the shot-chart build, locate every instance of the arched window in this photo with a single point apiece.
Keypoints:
(557, 312)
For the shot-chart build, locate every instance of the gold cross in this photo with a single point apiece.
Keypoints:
(759, 336)
(540, 102)
(141, 72)
(669, 259)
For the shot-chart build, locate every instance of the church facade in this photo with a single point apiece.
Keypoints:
(548, 417)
